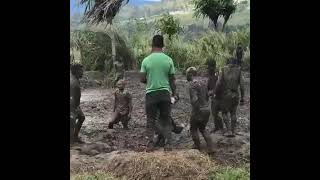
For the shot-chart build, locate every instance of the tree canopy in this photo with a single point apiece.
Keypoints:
(214, 9)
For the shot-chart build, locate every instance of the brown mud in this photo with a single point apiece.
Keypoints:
(97, 105)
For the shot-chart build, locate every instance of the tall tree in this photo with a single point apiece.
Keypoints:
(213, 9)
(98, 11)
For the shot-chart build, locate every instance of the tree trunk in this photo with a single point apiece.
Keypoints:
(211, 25)
(113, 45)
(226, 18)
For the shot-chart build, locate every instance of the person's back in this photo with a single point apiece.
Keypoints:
(201, 91)
(158, 66)
(157, 71)
(230, 81)
(232, 77)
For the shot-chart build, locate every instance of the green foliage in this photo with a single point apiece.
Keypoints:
(230, 173)
(95, 49)
(168, 25)
(213, 45)
(214, 8)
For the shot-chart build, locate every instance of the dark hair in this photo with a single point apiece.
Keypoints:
(157, 41)
(75, 67)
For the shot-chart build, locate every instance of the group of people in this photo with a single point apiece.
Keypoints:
(158, 73)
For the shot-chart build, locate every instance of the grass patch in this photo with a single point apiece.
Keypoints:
(230, 173)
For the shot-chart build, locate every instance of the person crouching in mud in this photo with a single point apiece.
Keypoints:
(122, 107)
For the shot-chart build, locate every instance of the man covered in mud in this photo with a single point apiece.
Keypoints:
(77, 116)
(119, 68)
(212, 80)
(122, 106)
(229, 81)
(200, 113)
(239, 54)
(157, 71)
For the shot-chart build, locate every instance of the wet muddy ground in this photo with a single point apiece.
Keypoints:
(97, 105)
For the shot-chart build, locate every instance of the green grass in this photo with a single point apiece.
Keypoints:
(230, 173)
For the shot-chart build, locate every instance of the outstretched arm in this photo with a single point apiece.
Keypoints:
(143, 77)
(143, 73)
(115, 102)
(172, 81)
(130, 104)
(241, 87)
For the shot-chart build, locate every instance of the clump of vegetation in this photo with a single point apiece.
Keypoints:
(213, 9)
(95, 50)
(168, 25)
(213, 45)
(230, 173)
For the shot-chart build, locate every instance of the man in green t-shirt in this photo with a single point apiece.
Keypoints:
(157, 71)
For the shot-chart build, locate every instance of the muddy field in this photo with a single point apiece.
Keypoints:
(97, 104)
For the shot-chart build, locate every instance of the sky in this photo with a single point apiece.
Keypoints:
(75, 8)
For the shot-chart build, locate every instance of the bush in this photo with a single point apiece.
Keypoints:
(193, 47)
(213, 45)
(95, 49)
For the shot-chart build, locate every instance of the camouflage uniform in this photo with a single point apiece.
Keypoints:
(200, 112)
(228, 84)
(122, 107)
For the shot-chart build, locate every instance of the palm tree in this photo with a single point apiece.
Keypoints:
(98, 11)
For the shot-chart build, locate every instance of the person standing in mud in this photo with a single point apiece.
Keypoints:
(230, 80)
(212, 80)
(122, 106)
(157, 71)
(200, 113)
(239, 54)
(77, 117)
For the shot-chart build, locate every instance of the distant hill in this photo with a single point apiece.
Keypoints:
(76, 8)
(142, 2)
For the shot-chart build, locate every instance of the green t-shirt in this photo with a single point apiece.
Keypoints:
(157, 67)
